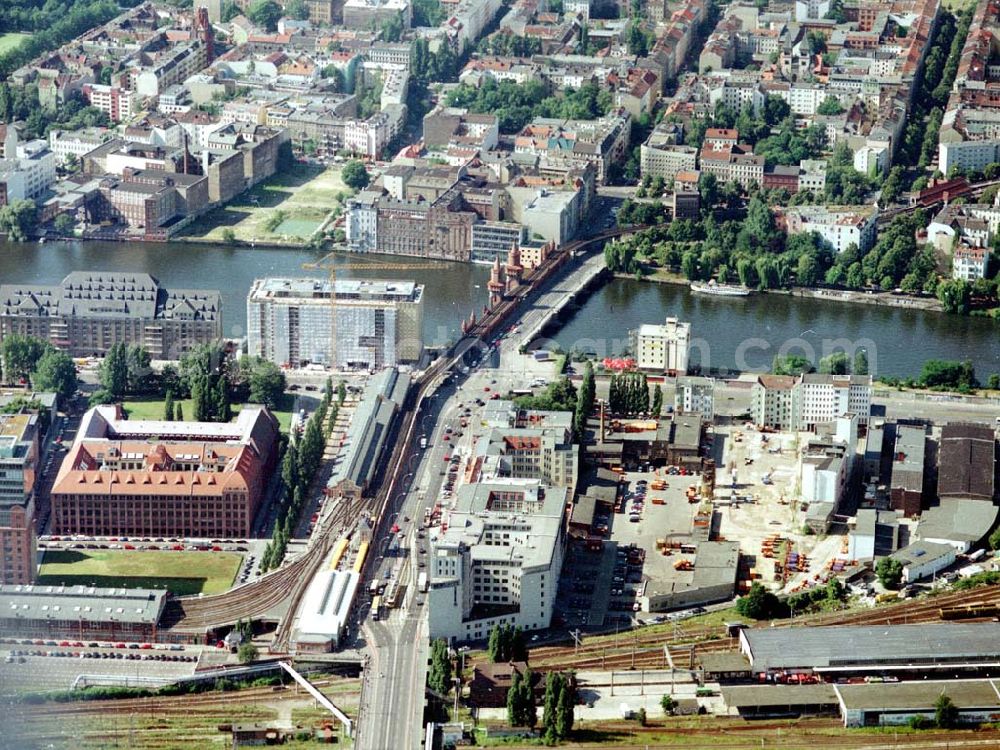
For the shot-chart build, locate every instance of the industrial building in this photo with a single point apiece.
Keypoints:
(844, 650)
(80, 612)
(19, 439)
(366, 324)
(967, 462)
(91, 311)
(662, 348)
(160, 479)
(498, 562)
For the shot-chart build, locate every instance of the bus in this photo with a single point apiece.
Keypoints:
(395, 595)
(376, 606)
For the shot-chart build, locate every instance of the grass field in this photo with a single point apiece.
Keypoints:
(180, 572)
(152, 408)
(295, 202)
(10, 41)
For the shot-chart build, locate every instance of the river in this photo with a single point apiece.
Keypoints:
(745, 333)
(727, 333)
(452, 291)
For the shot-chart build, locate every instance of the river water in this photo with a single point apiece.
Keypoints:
(727, 333)
(745, 333)
(452, 291)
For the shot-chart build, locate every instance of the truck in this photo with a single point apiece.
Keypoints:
(422, 582)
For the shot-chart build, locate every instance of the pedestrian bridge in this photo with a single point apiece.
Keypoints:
(320, 698)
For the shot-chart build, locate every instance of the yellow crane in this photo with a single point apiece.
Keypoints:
(330, 264)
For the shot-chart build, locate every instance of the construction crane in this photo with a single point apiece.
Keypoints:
(330, 264)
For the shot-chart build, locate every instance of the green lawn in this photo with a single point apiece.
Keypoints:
(152, 408)
(10, 41)
(180, 572)
(298, 199)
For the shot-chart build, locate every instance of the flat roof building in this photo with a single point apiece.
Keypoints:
(499, 560)
(923, 647)
(81, 612)
(91, 311)
(662, 348)
(967, 462)
(367, 323)
(155, 478)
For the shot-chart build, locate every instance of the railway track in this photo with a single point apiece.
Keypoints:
(648, 647)
(288, 583)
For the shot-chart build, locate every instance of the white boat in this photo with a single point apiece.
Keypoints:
(720, 290)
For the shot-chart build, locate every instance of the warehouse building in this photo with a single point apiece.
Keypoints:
(91, 311)
(367, 324)
(843, 650)
(867, 704)
(967, 462)
(80, 612)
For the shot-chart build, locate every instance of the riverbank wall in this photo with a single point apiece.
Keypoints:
(885, 299)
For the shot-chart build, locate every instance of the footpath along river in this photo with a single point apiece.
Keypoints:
(728, 333)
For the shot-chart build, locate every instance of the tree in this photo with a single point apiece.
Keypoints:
(229, 236)
(861, 362)
(19, 218)
(995, 539)
(56, 372)
(168, 407)
(945, 712)
(341, 392)
(584, 401)
(223, 410)
(355, 175)
(657, 400)
(179, 412)
(290, 468)
(439, 673)
(791, 364)
(564, 708)
(830, 106)
(515, 713)
(64, 224)
(198, 400)
(837, 363)
(264, 13)
(668, 704)
(889, 572)
(247, 653)
(955, 296)
(114, 372)
(941, 373)
(297, 9)
(20, 355)
(759, 603)
(640, 716)
(993, 382)
(267, 383)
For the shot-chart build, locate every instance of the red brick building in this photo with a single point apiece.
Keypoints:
(153, 478)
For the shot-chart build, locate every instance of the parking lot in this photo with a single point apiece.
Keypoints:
(24, 669)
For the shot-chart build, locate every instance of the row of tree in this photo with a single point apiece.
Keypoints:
(584, 401)
(299, 464)
(628, 393)
(506, 643)
(557, 711)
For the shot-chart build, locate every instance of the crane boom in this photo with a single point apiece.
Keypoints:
(328, 263)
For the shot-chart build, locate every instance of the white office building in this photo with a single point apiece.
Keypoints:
(499, 560)
(695, 395)
(368, 324)
(662, 348)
